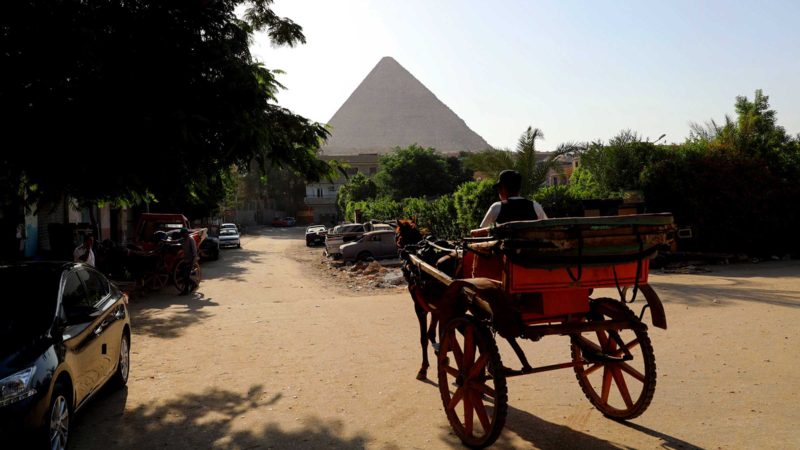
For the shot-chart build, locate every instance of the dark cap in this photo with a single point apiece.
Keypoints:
(511, 179)
(184, 231)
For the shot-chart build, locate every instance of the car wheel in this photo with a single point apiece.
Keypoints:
(123, 364)
(239, 245)
(58, 419)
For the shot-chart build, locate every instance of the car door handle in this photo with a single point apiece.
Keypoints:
(101, 327)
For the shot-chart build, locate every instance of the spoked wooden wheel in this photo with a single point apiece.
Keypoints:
(195, 275)
(472, 382)
(618, 369)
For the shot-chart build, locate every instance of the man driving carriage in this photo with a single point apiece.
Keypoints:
(512, 206)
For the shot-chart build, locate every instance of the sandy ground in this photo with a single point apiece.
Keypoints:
(271, 355)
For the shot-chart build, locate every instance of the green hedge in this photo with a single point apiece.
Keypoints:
(447, 217)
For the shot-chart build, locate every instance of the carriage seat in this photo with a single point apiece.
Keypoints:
(576, 240)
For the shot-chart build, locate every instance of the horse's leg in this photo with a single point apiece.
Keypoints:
(432, 333)
(423, 340)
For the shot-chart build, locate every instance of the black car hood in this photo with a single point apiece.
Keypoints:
(18, 354)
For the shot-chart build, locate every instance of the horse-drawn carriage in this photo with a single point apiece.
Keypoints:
(154, 257)
(527, 280)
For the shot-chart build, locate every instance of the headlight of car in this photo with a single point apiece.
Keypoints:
(17, 387)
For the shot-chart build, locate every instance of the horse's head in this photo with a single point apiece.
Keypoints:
(407, 232)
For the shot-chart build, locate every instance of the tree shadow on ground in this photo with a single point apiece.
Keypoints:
(149, 318)
(764, 269)
(201, 420)
(719, 295)
(233, 264)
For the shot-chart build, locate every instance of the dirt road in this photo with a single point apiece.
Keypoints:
(270, 356)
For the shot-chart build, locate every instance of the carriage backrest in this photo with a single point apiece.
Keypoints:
(534, 256)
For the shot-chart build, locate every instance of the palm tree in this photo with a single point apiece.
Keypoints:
(523, 160)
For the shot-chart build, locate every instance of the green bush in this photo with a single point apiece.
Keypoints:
(378, 209)
(437, 216)
(358, 188)
(559, 201)
(582, 185)
(617, 166)
(414, 171)
(472, 200)
(734, 203)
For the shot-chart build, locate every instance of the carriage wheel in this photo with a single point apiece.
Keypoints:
(620, 389)
(180, 282)
(472, 382)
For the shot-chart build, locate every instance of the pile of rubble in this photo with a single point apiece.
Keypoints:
(365, 276)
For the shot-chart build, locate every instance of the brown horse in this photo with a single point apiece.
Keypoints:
(408, 236)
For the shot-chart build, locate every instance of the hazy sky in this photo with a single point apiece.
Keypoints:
(578, 70)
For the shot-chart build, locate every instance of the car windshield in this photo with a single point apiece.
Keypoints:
(227, 231)
(28, 301)
(314, 229)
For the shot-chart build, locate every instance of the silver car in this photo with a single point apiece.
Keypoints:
(340, 235)
(229, 237)
(375, 244)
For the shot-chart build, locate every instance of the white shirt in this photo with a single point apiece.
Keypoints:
(79, 252)
(494, 211)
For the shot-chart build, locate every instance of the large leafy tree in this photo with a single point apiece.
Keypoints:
(471, 201)
(735, 183)
(415, 171)
(131, 100)
(609, 169)
(524, 160)
(753, 133)
(358, 188)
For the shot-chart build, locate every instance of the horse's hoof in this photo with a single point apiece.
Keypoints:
(421, 375)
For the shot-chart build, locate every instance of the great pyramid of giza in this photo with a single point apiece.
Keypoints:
(391, 108)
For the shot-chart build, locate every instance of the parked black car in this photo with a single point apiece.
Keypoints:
(209, 249)
(64, 333)
(315, 234)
